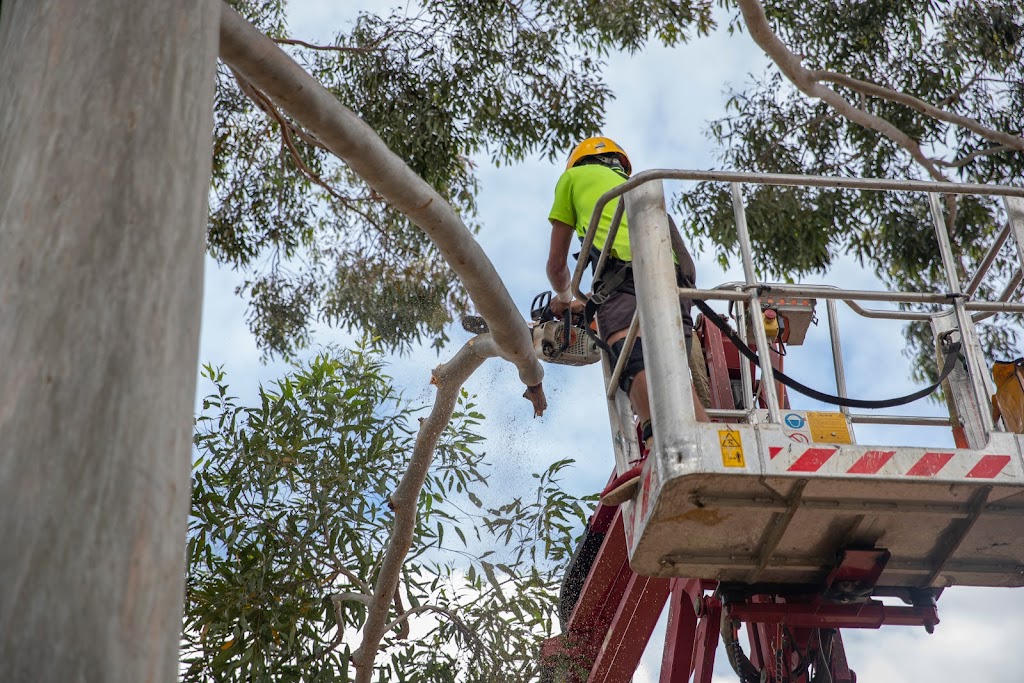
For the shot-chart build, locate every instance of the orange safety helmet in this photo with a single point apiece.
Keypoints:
(595, 146)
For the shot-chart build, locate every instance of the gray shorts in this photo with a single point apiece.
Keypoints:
(616, 314)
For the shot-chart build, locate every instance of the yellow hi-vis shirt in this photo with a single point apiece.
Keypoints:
(576, 193)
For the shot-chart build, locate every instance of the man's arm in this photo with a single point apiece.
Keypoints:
(558, 255)
(557, 268)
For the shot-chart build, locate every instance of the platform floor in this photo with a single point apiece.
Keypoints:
(777, 520)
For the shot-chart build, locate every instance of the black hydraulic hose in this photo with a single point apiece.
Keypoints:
(739, 661)
(948, 363)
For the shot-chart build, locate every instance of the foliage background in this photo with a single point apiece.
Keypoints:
(290, 518)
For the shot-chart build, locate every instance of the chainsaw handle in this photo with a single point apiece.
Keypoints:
(566, 330)
(540, 310)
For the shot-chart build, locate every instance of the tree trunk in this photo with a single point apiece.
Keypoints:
(105, 132)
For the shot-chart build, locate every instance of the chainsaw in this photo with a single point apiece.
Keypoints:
(564, 342)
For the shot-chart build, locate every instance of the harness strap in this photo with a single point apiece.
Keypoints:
(948, 363)
(619, 278)
(589, 311)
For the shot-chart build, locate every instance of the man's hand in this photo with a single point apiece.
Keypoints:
(558, 308)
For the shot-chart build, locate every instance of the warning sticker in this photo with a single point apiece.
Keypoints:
(828, 428)
(732, 448)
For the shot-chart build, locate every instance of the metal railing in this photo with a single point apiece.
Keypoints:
(657, 293)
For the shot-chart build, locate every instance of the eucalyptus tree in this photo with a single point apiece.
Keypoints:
(104, 126)
(292, 513)
(917, 89)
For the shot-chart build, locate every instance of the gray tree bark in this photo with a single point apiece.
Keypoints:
(105, 133)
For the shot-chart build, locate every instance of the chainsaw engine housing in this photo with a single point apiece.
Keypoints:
(548, 338)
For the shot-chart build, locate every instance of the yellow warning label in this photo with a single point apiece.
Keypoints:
(828, 428)
(732, 448)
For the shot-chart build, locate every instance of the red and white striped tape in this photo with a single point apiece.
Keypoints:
(900, 463)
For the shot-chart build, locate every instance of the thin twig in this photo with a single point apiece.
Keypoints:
(953, 96)
(960, 163)
(287, 128)
(286, 136)
(465, 630)
(820, 118)
(338, 599)
(331, 48)
(354, 578)
(403, 631)
(882, 92)
(375, 45)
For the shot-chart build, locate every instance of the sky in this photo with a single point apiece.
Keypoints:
(664, 101)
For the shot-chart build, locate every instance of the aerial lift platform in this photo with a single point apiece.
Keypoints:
(775, 518)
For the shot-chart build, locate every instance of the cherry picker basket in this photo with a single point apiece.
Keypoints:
(775, 517)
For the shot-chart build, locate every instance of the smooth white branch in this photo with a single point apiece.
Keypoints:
(1005, 140)
(273, 73)
(449, 378)
(810, 83)
(264, 64)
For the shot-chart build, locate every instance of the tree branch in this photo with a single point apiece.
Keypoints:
(330, 48)
(960, 163)
(458, 623)
(354, 578)
(792, 67)
(882, 92)
(403, 632)
(804, 79)
(287, 127)
(955, 95)
(449, 378)
(375, 45)
(261, 62)
(339, 598)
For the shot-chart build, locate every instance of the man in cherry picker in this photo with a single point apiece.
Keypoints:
(595, 166)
